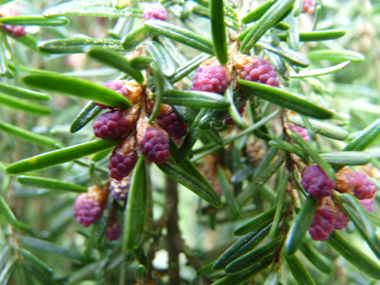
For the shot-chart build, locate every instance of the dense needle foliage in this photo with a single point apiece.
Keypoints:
(272, 110)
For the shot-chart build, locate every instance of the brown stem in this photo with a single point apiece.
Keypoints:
(195, 262)
(154, 230)
(173, 237)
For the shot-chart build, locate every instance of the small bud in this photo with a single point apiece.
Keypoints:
(168, 120)
(153, 142)
(89, 206)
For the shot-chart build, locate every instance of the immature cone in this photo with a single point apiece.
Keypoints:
(89, 206)
(123, 159)
(153, 142)
(308, 6)
(16, 31)
(116, 123)
(316, 182)
(255, 151)
(168, 120)
(322, 224)
(356, 183)
(301, 131)
(341, 219)
(364, 188)
(117, 86)
(119, 189)
(155, 11)
(129, 89)
(212, 77)
(113, 229)
(253, 68)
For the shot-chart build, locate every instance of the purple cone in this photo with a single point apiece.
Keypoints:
(316, 182)
(117, 86)
(120, 166)
(212, 78)
(363, 187)
(260, 71)
(111, 125)
(87, 209)
(322, 224)
(155, 11)
(172, 124)
(155, 145)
